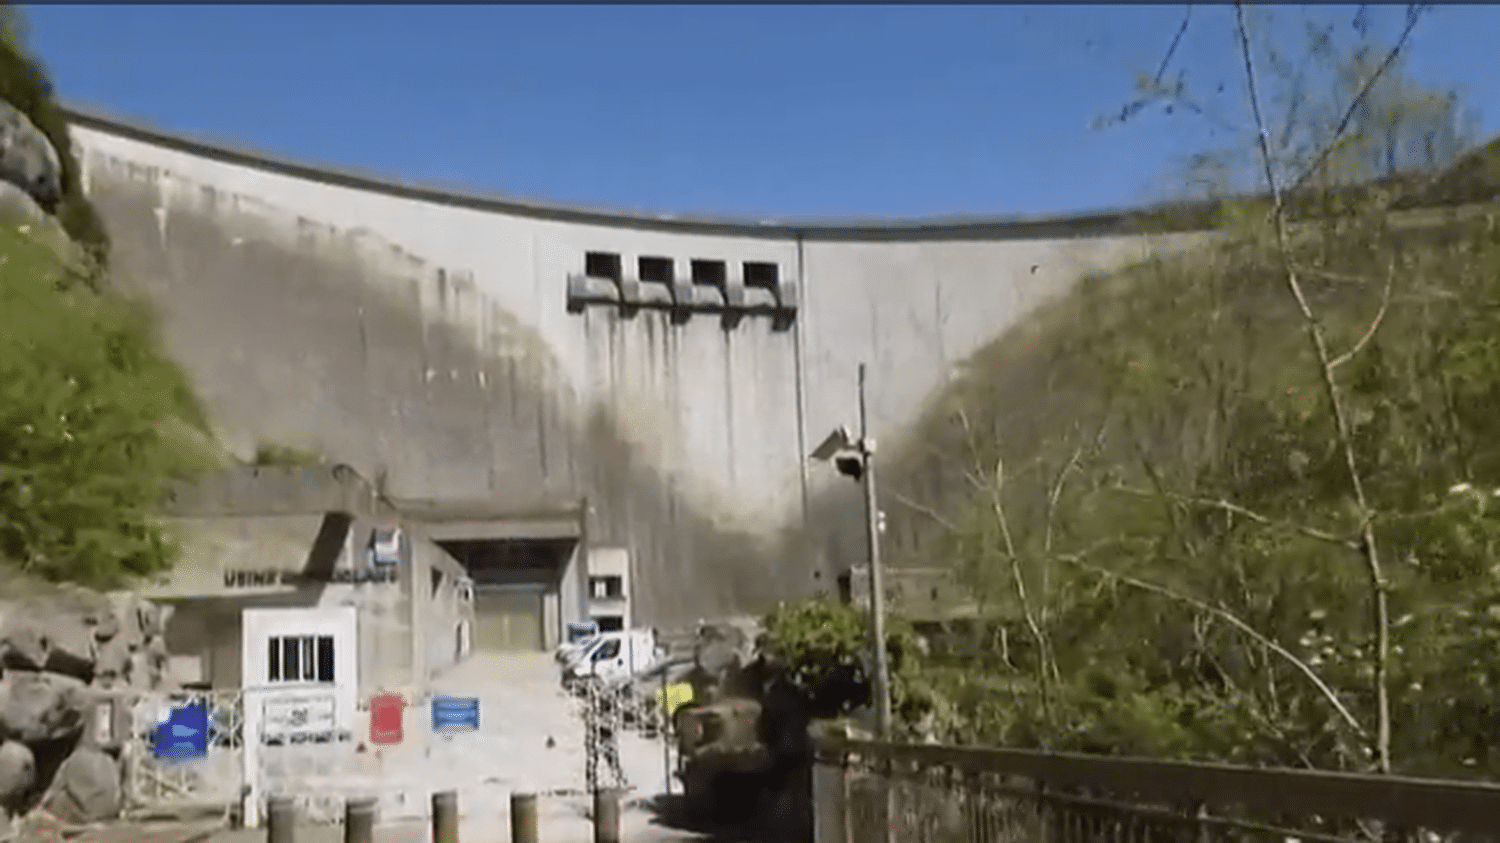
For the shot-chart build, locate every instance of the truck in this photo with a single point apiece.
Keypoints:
(613, 657)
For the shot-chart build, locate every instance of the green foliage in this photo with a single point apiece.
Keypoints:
(268, 453)
(1205, 495)
(84, 399)
(13, 25)
(824, 645)
(24, 84)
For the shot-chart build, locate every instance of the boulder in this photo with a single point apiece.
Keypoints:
(70, 646)
(27, 158)
(17, 202)
(94, 609)
(86, 788)
(48, 635)
(112, 662)
(38, 826)
(21, 643)
(17, 774)
(127, 618)
(151, 618)
(42, 707)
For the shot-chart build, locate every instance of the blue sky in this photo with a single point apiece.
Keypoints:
(774, 110)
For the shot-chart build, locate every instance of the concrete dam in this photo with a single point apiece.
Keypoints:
(672, 371)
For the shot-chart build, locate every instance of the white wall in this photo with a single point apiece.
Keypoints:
(259, 626)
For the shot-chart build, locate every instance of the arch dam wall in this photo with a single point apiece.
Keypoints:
(465, 347)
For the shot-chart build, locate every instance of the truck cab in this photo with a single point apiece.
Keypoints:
(613, 657)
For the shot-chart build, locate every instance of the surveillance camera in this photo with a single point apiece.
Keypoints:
(836, 441)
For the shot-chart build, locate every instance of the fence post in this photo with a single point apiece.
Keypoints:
(445, 816)
(359, 820)
(606, 815)
(830, 794)
(885, 814)
(523, 821)
(663, 714)
(281, 819)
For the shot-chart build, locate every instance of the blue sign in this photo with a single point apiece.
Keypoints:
(185, 734)
(455, 714)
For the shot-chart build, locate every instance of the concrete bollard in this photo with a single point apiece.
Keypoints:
(359, 820)
(523, 824)
(606, 815)
(445, 817)
(281, 819)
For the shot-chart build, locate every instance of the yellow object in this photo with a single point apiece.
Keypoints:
(675, 696)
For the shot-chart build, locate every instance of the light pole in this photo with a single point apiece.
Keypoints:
(855, 458)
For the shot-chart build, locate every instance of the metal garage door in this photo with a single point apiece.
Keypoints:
(507, 619)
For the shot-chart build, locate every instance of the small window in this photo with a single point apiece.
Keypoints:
(761, 274)
(602, 265)
(325, 658)
(610, 623)
(607, 587)
(300, 658)
(608, 650)
(710, 273)
(658, 270)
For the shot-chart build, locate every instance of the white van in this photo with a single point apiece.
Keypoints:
(615, 656)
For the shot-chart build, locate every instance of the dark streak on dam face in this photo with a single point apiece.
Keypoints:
(325, 346)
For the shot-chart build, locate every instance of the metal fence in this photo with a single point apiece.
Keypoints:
(608, 712)
(130, 720)
(866, 791)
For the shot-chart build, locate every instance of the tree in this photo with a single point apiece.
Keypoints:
(14, 30)
(1241, 504)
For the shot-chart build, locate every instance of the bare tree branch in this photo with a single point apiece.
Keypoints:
(1413, 15)
(1233, 620)
(923, 509)
(1166, 60)
(1243, 512)
(1368, 547)
(1048, 667)
(1385, 304)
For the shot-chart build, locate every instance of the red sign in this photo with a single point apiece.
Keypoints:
(385, 719)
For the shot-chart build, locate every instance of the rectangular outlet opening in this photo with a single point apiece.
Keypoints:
(764, 275)
(657, 270)
(602, 265)
(709, 273)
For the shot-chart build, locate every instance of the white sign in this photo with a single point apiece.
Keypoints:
(289, 716)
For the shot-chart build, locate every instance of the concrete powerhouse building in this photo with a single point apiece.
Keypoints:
(578, 412)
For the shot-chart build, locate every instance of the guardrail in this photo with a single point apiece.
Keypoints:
(868, 791)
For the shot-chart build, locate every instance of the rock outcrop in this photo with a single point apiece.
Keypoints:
(63, 651)
(27, 159)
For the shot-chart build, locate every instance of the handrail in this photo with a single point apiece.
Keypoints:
(1403, 801)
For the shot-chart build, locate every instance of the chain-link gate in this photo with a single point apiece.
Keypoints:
(611, 712)
(157, 784)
